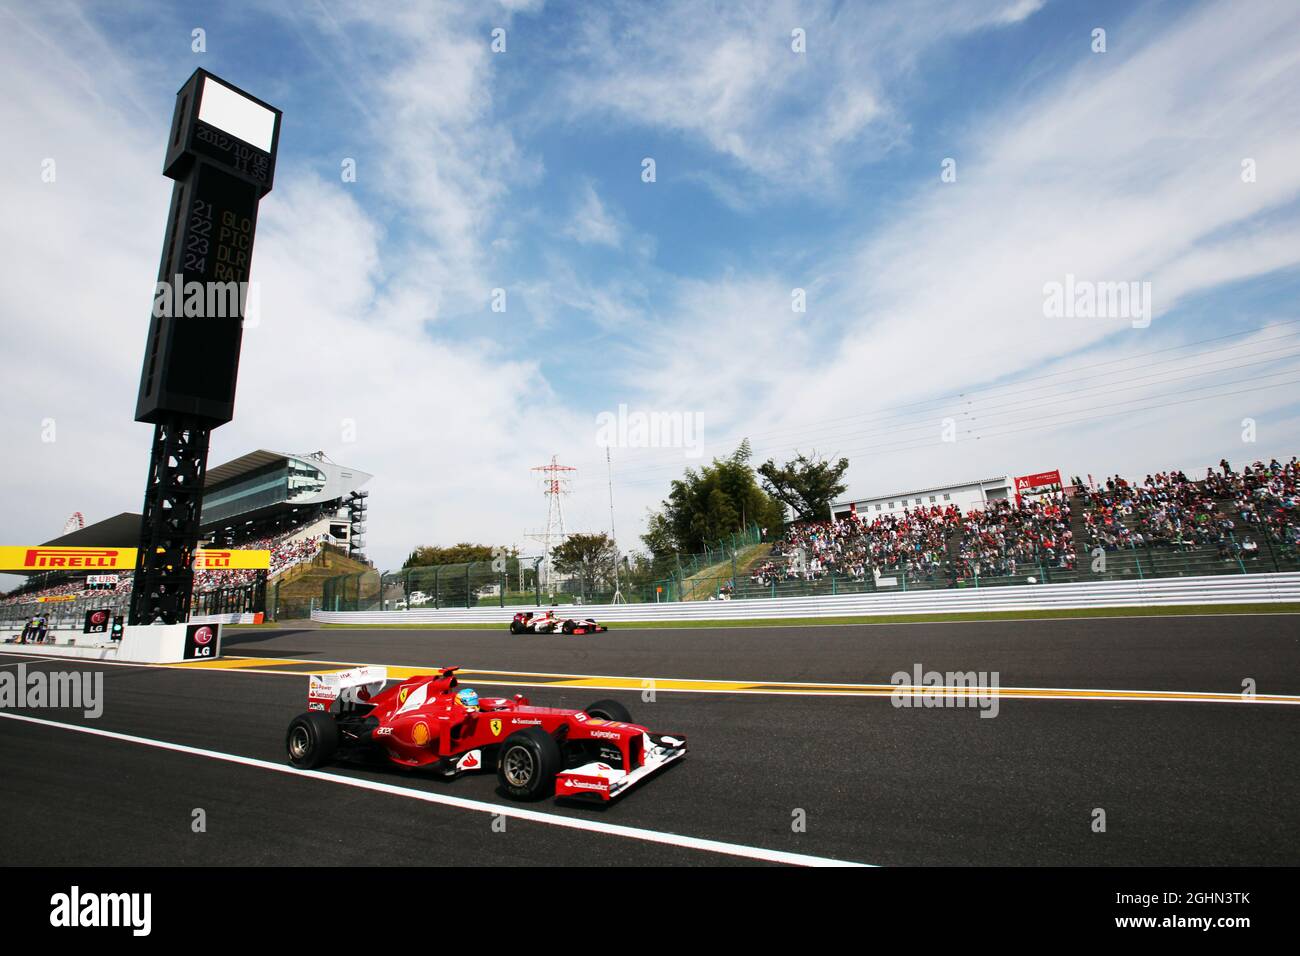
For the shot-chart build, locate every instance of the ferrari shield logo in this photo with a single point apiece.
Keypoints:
(402, 695)
(496, 728)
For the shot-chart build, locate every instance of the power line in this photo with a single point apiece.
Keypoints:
(970, 394)
(1038, 425)
(979, 413)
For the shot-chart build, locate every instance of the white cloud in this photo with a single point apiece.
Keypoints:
(1120, 167)
(437, 154)
(340, 335)
(1123, 169)
(592, 222)
(725, 74)
(1018, 10)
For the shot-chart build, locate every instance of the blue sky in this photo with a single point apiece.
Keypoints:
(775, 170)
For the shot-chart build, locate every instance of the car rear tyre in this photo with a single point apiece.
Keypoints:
(312, 739)
(516, 627)
(527, 764)
(609, 710)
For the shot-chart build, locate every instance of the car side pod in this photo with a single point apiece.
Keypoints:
(603, 782)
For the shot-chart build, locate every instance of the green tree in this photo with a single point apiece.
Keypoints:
(705, 506)
(462, 553)
(659, 541)
(589, 556)
(807, 485)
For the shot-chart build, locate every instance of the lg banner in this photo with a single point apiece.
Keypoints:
(201, 641)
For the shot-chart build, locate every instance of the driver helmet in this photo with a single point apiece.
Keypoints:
(467, 697)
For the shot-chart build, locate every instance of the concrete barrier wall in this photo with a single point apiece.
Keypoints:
(1216, 589)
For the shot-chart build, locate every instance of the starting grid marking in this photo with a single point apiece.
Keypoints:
(298, 667)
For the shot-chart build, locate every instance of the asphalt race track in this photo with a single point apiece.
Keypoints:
(1181, 781)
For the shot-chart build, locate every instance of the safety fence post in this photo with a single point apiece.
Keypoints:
(1271, 553)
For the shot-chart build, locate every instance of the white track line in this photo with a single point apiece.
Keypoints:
(51, 658)
(28, 659)
(461, 803)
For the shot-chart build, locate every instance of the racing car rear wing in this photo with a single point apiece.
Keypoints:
(354, 686)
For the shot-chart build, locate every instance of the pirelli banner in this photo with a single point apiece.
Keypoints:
(232, 560)
(13, 558)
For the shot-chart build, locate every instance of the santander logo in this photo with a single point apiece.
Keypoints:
(468, 762)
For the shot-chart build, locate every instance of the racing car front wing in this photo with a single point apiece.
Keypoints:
(604, 782)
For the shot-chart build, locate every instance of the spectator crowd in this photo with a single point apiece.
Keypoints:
(1227, 510)
(928, 544)
(1233, 512)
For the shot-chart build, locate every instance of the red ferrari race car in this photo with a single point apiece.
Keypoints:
(526, 622)
(433, 721)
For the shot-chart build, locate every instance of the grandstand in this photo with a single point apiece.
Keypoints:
(294, 506)
(267, 495)
(1165, 523)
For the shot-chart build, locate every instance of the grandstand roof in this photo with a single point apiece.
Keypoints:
(242, 466)
(119, 531)
(123, 530)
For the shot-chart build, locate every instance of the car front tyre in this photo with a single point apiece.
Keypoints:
(527, 764)
(610, 710)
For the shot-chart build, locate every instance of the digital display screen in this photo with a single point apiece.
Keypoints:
(228, 111)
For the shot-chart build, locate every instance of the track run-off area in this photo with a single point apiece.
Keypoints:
(804, 749)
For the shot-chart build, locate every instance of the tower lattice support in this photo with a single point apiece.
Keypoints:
(169, 523)
(555, 485)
